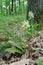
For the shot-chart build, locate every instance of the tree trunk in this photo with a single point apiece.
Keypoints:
(33, 6)
(6, 11)
(19, 6)
(12, 5)
(27, 9)
(15, 6)
(9, 10)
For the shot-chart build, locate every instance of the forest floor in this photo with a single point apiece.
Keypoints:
(26, 59)
(30, 56)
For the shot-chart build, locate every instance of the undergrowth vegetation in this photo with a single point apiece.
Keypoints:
(39, 62)
(21, 31)
(14, 35)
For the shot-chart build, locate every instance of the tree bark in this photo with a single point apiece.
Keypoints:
(12, 5)
(19, 6)
(33, 5)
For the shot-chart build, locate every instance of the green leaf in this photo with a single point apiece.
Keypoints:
(13, 50)
(39, 62)
(38, 49)
(17, 45)
(7, 2)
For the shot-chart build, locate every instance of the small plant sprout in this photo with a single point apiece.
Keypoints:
(31, 15)
(25, 25)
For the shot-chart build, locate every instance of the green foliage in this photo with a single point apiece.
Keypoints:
(13, 50)
(28, 29)
(0, 3)
(11, 47)
(3, 46)
(38, 49)
(7, 6)
(7, 2)
(18, 45)
(39, 62)
(29, 26)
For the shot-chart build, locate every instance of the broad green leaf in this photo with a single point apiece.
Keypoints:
(17, 45)
(13, 50)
